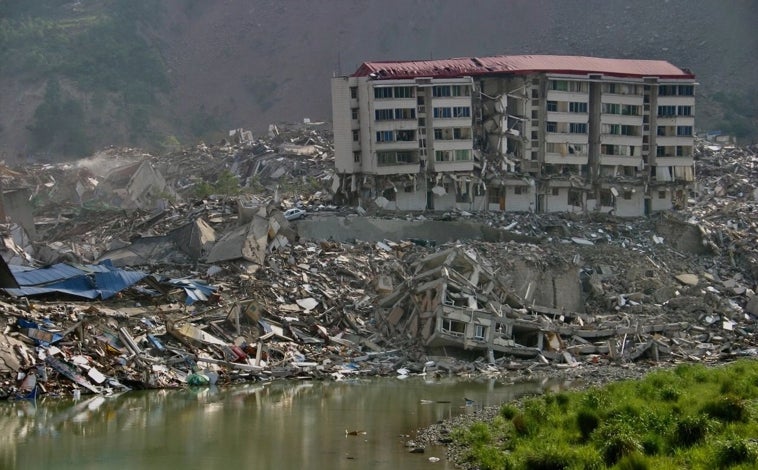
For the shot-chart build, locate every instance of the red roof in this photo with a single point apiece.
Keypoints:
(522, 64)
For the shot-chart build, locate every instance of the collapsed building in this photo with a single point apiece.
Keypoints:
(533, 133)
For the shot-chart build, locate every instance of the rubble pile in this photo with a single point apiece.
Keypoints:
(103, 295)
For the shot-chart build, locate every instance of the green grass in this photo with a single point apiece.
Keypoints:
(689, 417)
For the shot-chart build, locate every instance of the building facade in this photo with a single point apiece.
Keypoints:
(515, 133)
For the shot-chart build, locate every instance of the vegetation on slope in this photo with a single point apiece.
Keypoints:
(691, 417)
(99, 49)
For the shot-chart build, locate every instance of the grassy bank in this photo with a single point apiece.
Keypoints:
(689, 417)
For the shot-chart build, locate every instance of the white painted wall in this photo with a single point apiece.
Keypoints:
(526, 201)
(633, 207)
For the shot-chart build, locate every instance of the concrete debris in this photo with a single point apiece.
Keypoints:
(222, 288)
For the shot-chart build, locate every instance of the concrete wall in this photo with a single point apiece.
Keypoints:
(520, 202)
(633, 207)
(16, 205)
(660, 204)
(415, 201)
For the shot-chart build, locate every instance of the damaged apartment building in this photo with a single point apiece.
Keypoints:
(533, 133)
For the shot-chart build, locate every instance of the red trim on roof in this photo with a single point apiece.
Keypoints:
(521, 64)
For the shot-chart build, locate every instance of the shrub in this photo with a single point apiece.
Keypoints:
(633, 461)
(735, 451)
(727, 408)
(690, 430)
(548, 458)
(563, 400)
(615, 441)
(522, 425)
(587, 420)
(508, 411)
(670, 393)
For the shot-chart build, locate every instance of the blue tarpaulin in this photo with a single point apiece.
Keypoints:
(90, 281)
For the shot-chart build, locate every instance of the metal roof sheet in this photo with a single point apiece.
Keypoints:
(520, 64)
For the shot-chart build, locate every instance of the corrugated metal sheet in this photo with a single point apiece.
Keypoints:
(85, 281)
(521, 64)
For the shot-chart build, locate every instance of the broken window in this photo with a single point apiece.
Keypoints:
(606, 198)
(453, 327)
(519, 190)
(461, 111)
(575, 197)
(494, 195)
(405, 136)
(627, 195)
(389, 194)
(661, 194)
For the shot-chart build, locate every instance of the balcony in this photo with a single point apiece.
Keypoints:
(616, 139)
(396, 169)
(558, 116)
(622, 99)
(620, 160)
(567, 138)
(672, 141)
(567, 159)
(621, 119)
(555, 95)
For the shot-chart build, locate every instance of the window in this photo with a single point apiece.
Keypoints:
(661, 194)
(438, 134)
(559, 85)
(462, 155)
(606, 197)
(613, 129)
(610, 87)
(382, 92)
(535, 93)
(405, 136)
(578, 128)
(461, 133)
(686, 90)
(441, 90)
(385, 158)
(405, 113)
(354, 113)
(443, 113)
(552, 106)
(354, 92)
(661, 131)
(627, 195)
(457, 328)
(575, 197)
(356, 135)
(551, 126)
(480, 332)
(403, 92)
(357, 157)
(461, 111)
(629, 130)
(682, 151)
(404, 157)
(630, 110)
(684, 111)
(442, 155)
(556, 191)
(684, 130)
(519, 190)
(461, 90)
(667, 90)
(611, 108)
(385, 136)
(383, 114)
(576, 107)
(666, 110)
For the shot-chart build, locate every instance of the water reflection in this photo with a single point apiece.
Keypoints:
(272, 425)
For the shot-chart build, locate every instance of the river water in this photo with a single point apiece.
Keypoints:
(360, 424)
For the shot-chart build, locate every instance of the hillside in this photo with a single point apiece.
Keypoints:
(243, 63)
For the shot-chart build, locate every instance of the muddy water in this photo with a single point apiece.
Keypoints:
(292, 425)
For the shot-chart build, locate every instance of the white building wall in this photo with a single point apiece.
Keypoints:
(341, 125)
(660, 204)
(633, 207)
(519, 202)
